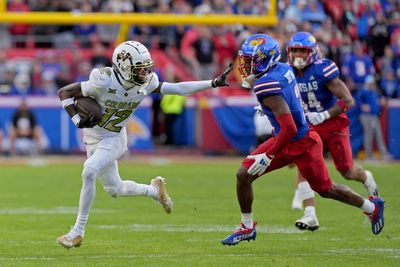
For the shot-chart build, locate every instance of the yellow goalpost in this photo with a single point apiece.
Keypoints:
(127, 19)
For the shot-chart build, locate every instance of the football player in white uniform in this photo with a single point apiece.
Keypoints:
(119, 90)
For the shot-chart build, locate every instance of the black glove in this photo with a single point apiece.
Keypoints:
(221, 79)
(88, 121)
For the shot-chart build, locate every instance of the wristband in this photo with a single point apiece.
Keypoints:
(326, 114)
(343, 105)
(67, 102)
(76, 119)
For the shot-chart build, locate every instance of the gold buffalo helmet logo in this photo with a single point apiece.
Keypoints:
(311, 39)
(123, 55)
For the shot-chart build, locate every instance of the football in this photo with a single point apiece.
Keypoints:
(87, 106)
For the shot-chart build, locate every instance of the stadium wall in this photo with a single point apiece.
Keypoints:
(215, 125)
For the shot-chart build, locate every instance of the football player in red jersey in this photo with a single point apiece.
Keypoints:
(294, 141)
(325, 100)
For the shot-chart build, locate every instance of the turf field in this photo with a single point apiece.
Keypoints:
(39, 203)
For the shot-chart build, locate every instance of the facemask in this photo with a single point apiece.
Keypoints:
(299, 62)
(248, 82)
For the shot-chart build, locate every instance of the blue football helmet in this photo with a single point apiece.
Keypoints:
(306, 41)
(257, 54)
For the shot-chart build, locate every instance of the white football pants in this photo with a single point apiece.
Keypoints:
(102, 163)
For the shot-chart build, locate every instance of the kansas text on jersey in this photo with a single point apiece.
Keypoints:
(312, 85)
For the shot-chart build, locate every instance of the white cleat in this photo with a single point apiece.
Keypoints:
(370, 185)
(163, 197)
(307, 222)
(297, 202)
(67, 243)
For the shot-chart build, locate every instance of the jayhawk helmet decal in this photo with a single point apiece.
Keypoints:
(306, 41)
(257, 54)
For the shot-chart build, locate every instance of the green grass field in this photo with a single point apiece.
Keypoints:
(37, 204)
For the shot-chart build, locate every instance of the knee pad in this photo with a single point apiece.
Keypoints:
(305, 191)
(89, 173)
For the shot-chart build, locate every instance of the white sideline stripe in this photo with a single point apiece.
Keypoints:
(18, 242)
(37, 162)
(102, 257)
(196, 228)
(392, 254)
(160, 161)
(56, 210)
(27, 258)
(367, 251)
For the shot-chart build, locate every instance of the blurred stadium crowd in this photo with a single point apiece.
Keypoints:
(361, 36)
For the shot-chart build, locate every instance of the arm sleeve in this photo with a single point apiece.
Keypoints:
(185, 88)
(288, 130)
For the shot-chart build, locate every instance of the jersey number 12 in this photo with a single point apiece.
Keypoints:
(110, 124)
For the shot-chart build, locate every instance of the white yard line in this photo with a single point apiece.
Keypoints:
(390, 253)
(195, 228)
(366, 251)
(56, 210)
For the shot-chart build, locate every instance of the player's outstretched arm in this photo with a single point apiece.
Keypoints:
(188, 88)
(221, 80)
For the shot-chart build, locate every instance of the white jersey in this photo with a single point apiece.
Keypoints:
(117, 103)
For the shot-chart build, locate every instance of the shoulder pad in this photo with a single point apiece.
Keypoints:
(101, 76)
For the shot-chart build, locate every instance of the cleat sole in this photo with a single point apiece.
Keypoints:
(77, 242)
(303, 226)
(163, 197)
(234, 244)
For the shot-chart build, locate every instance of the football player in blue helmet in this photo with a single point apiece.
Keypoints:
(325, 100)
(275, 87)
(302, 50)
(256, 55)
